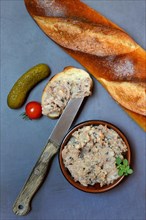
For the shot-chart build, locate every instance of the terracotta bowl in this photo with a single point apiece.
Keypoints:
(95, 188)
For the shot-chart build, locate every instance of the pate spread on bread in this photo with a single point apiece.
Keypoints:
(70, 83)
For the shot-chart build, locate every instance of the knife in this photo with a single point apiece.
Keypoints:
(22, 204)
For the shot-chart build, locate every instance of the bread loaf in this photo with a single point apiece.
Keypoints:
(102, 47)
(70, 83)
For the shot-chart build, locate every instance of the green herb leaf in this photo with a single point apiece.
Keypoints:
(125, 162)
(120, 172)
(122, 167)
(130, 171)
(127, 167)
(118, 160)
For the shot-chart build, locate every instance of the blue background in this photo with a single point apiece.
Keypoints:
(24, 45)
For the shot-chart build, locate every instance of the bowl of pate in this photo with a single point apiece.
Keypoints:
(88, 156)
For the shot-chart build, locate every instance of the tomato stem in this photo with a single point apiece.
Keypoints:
(24, 116)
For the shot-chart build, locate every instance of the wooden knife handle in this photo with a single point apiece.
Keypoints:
(22, 204)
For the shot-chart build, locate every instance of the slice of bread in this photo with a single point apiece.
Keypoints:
(70, 83)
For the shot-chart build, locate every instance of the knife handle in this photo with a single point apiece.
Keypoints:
(22, 204)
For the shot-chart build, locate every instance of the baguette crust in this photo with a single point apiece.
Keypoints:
(128, 98)
(86, 37)
(70, 83)
(113, 70)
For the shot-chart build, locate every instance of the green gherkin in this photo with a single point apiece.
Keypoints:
(25, 83)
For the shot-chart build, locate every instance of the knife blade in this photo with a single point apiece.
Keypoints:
(22, 205)
(66, 120)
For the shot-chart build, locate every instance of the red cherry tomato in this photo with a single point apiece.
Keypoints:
(33, 110)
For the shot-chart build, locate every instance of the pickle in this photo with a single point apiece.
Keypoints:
(25, 83)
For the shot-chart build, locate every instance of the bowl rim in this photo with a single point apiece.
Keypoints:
(65, 172)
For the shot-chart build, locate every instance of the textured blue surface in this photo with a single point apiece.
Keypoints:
(23, 45)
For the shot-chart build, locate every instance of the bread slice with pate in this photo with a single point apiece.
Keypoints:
(70, 83)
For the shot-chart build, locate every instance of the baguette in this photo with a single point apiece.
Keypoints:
(119, 65)
(70, 83)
